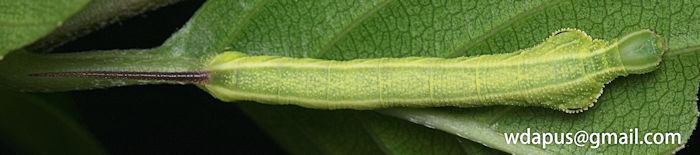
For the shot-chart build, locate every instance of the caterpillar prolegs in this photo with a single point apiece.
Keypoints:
(566, 72)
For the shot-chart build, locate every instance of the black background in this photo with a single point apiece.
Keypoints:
(170, 119)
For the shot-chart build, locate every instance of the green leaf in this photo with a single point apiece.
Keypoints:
(23, 22)
(40, 124)
(663, 101)
(95, 15)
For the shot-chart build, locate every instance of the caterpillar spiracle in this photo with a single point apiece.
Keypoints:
(566, 72)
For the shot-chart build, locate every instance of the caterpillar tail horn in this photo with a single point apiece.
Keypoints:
(195, 77)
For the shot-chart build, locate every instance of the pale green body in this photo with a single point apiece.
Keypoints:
(566, 72)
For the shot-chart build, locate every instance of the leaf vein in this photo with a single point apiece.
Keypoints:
(321, 53)
(520, 17)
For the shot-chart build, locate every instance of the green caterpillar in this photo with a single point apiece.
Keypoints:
(567, 72)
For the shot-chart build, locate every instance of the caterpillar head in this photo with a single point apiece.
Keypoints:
(641, 51)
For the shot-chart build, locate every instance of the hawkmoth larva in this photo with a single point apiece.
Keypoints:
(566, 72)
